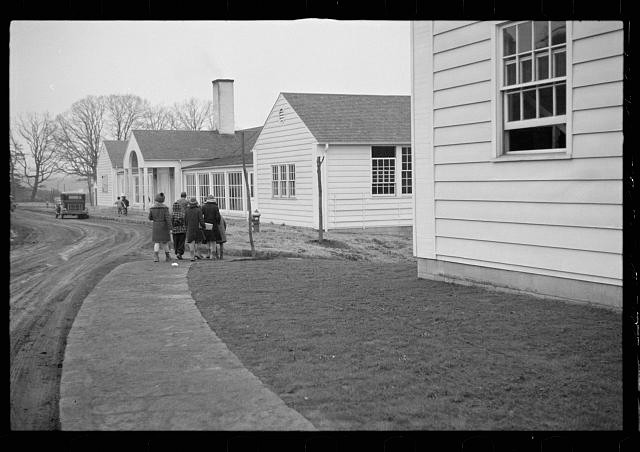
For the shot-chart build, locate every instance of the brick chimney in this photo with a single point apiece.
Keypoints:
(223, 120)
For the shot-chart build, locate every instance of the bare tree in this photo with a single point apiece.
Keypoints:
(193, 114)
(125, 113)
(79, 135)
(16, 157)
(156, 118)
(38, 131)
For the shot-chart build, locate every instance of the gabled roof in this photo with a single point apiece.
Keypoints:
(354, 118)
(115, 150)
(193, 145)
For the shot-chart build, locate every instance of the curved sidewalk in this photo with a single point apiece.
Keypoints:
(140, 356)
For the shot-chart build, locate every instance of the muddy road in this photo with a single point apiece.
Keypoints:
(51, 273)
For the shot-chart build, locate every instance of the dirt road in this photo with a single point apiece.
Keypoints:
(51, 273)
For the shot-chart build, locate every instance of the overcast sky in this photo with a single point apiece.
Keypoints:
(55, 63)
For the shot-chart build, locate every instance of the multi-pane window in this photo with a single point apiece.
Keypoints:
(292, 180)
(274, 180)
(190, 185)
(383, 170)
(251, 185)
(203, 187)
(534, 85)
(406, 171)
(235, 191)
(283, 182)
(217, 185)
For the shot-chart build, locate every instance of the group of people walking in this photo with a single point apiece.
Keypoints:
(189, 224)
(122, 204)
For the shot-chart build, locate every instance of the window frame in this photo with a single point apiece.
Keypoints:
(283, 186)
(499, 98)
(396, 192)
(234, 188)
(406, 182)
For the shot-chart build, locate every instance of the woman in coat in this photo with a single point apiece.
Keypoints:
(159, 214)
(212, 218)
(194, 222)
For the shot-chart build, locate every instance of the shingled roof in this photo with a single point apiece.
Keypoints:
(115, 151)
(192, 145)
(354, 118)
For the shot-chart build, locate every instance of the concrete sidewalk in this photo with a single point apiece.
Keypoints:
(141, 357)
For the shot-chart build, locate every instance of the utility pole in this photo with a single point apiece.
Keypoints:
(246, 184)
(320, 225)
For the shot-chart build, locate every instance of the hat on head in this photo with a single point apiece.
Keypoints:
(183, 194)
(210, 198)
(159, 197)
(193, 201)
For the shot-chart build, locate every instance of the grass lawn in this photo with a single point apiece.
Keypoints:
(366, 345)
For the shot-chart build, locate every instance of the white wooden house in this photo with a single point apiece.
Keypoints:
(110, 171)
(517, 138)
(173, 161)
(366, 172)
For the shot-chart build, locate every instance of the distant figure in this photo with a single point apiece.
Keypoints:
(179, 229)
(125, 205)
(159, 214)
(212, 219)
(194, 222)
(183, 200)
(118, 205)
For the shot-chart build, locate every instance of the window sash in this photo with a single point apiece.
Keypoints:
(235, 190)
(218, 189)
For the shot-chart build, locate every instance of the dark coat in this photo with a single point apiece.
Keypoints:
(194, 221)
(159, 214)
(211, 215)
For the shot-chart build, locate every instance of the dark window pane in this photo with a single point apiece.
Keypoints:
(525, 71)
(559, 64)
(529, 104)
(383, 151)
(558, 32)
(514, 106)
(542, 66)
(509, 40)
(510, 73)
(545, 97)
(561, 100)
(541, 34)
(524, 37)
(531, 138)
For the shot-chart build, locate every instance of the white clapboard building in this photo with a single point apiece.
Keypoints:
(366, 171)
(517, 138)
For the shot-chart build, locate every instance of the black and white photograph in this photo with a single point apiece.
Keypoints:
(316, 225)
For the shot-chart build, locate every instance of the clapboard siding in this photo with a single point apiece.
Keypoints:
(597, 96)
(606, 265)
(461, 56)
(463, 75)
(578, 192)
(597, 47)
(350, 202)
(442, 26)
(588, 28)
(461, 36)
(462, 95)
(582, 169)
(566, 237)
(278, 144)
(604, 70)
(602, 216)
(104, 168)
(462, 114)
(550, 217)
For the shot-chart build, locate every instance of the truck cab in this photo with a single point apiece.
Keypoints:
(72, 204)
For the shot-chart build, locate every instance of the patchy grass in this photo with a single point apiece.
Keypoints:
(372, 347)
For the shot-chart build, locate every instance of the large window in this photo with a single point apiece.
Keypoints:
(235, 191)
(203, 187)
(217, 184)
(534, 85)
(190, 185)
(406, 171)
(283, 180)
(383, 170)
